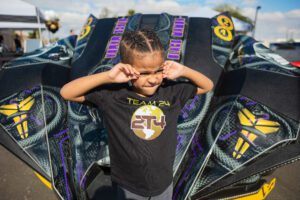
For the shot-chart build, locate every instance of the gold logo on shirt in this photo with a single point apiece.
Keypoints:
(148, 122)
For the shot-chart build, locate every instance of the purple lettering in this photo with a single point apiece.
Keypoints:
(118, 38)
(175, 49)
(123, 20)
(113, 45)
(120, 26)
(110, 55)
(173, 56)
(178, 27)
(175, 41)
(177, 34)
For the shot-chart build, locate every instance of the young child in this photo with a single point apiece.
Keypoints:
(141, 105)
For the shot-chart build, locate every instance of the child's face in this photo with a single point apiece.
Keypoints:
(151, 73)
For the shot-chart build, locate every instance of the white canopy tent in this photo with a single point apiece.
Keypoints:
(17, 15)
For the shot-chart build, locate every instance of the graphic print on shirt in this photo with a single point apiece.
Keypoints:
(147, 122)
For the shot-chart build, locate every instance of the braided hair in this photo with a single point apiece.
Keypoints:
(139, 42)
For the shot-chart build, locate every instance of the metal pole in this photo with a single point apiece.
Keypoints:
(254, 25)
(39, 24)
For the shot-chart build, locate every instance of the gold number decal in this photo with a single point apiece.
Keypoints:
(86, 29)
(225, 21)
(223, 31)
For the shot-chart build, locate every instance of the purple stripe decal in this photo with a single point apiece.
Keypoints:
(38, 122)
(251, 103)
(64, 165)
(61, 133)
(186, 173)
(225, 137)
(12, 101)
(187, 108)
(179, 141)
(265, 116)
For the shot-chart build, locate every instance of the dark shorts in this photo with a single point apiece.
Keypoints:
(123, 194)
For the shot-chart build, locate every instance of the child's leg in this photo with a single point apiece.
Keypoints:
(123, 194)
(166, 195)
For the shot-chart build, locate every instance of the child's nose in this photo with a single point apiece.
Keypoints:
(153, 79)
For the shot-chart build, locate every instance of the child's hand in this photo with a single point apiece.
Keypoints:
(172, 69)
(122, 73)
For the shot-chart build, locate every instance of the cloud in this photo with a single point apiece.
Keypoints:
(293, 13)
(71, 20)
(271, 26)
(62, 5)
(214, 3)
(50, 14)
(73, 13)
(249, 2)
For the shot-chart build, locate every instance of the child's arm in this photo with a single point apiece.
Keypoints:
(76, 89)
(173, 70)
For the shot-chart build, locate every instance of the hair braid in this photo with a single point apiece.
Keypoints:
(141, 41)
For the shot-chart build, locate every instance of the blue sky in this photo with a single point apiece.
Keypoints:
(273, 5)
(267, 5)
(277, 19)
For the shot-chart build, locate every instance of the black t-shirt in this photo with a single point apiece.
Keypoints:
(142, 133)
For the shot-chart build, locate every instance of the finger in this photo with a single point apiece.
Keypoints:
(125, 69)
(168, 62)
(129, 67)
(134, 77)
(166, 68)
(135, 71)
(132, 70)
(164, 64)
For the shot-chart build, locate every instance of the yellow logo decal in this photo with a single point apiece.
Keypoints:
(148, 122)
(86, 29)
(262, 193)
(17, 112)
(224, 30)
(251, 128)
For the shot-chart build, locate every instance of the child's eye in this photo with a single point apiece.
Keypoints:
(159, 71)
(144, 74)
(149, 73)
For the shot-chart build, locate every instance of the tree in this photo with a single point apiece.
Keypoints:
(52, 24)
(33, 34)
(104, 13)
(130, 12)
(234, 12)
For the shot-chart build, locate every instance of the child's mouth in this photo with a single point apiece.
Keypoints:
(151, 86)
